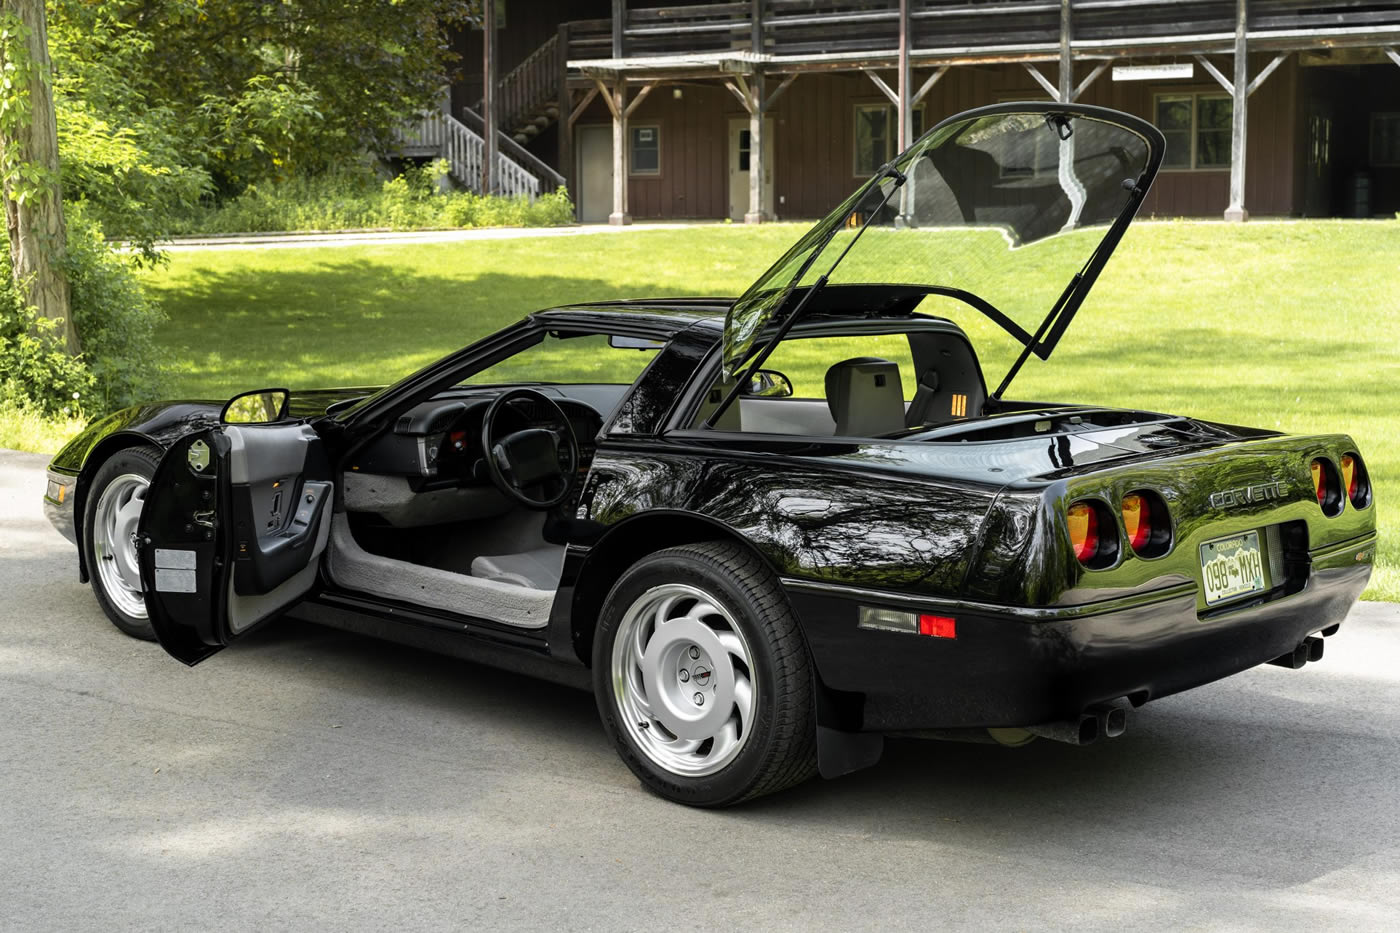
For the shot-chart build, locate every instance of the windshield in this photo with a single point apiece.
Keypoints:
(1007, 206)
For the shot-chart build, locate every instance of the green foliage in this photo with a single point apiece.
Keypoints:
(36, 374)
(128, 157)
(349, 199)
(115, 318)
(120, 363)
(243, 91)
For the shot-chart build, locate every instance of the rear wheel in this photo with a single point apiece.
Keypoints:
(703, 679)
(113, 510)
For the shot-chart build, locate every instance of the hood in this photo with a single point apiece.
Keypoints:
(1012, 209)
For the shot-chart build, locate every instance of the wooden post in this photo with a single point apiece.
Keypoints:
(488, 96)
(619, 22)
(756, 26)
(757, 163)
(1066, 61)
(566, 106)
(618, 96)
(1239, 117)
(905, 91)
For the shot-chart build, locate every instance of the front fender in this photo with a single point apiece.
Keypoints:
(156, 425)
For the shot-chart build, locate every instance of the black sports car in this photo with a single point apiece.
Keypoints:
(766, 532)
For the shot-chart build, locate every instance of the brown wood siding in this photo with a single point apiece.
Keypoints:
(814, 124)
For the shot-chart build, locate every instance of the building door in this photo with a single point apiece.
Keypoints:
(593, 143)
(739, 167)
(1317, 172)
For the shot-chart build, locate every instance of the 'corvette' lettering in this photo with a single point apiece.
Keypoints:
(1246, 495)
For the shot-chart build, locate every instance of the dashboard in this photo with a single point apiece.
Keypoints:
(438, 442)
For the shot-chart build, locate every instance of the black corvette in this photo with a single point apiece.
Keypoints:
(766, 532)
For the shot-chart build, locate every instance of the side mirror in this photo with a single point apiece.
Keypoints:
(263, 406)
(769, 383)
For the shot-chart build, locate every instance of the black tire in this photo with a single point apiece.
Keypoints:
(780, 748)
(140, 461)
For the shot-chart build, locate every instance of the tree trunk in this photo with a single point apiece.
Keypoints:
(33, 205)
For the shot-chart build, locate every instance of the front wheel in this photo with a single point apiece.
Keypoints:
(703, 679)
(113, 511)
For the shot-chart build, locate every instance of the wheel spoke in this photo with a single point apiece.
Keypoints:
(701, 610)
(734, 645)
(725, 740)
(743, 699)
(663, 611)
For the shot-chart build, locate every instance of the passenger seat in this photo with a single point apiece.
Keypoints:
(866, 397)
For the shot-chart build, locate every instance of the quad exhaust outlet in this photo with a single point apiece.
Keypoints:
(1309, 649)
(1102, 720)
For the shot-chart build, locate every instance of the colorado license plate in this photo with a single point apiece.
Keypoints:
(1232, 567)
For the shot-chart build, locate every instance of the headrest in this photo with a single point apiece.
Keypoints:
(865, 396)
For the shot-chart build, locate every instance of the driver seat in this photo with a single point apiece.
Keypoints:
(537, 570)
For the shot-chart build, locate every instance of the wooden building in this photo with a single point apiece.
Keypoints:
(767, 109)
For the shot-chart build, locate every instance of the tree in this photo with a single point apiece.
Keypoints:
(29, 164)
(252, 89)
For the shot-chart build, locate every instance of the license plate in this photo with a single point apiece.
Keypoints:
(1232, 567)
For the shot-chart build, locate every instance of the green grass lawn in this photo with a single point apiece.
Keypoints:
(1294, 326)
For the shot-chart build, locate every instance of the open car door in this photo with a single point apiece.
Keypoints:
(234, 524)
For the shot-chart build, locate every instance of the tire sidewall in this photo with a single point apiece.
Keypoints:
(734, 780)
(141, 462)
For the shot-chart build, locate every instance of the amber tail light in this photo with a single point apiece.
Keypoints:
(1137, 520)
(1092, 533)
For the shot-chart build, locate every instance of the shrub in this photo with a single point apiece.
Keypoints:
(116, 322)
(356, 198)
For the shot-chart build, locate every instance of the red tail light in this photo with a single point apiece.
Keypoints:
(1084, 531)
(1137, 520)
(1319, 478)
(1349, 476)
(1355, 481)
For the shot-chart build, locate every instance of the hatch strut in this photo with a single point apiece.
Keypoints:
(1048, 334)
(889, 171)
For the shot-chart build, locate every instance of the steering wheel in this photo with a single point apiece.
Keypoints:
(531, 460)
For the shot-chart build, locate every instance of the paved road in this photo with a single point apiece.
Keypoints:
(307, 778)
(241, 241)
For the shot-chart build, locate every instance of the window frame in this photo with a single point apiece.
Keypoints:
(1196, 97)
(892, 132)
(632, 171)
(1377, 117)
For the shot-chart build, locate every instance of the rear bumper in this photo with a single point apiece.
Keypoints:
(1011, 668)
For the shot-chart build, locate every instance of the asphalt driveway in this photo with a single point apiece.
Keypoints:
(311, 779)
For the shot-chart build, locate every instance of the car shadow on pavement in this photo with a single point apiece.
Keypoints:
(1229, 772)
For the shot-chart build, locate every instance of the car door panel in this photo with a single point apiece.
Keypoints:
(233, 529)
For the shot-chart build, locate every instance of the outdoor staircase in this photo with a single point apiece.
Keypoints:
(528, 96)
(441, 136)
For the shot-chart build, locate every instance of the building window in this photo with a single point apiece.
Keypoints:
(1385, 139)
(645, 155)
(1197, 127)
(877, 135)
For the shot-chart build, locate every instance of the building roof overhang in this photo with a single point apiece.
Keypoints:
(739, 61)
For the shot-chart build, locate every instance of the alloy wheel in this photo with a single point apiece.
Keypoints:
(114, 553)
(683, 679)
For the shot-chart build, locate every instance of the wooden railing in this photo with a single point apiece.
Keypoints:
(808, 27)
(508, 147)
(531, 87)
(464, 150)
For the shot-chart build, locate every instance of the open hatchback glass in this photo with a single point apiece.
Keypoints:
(1012, 209)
